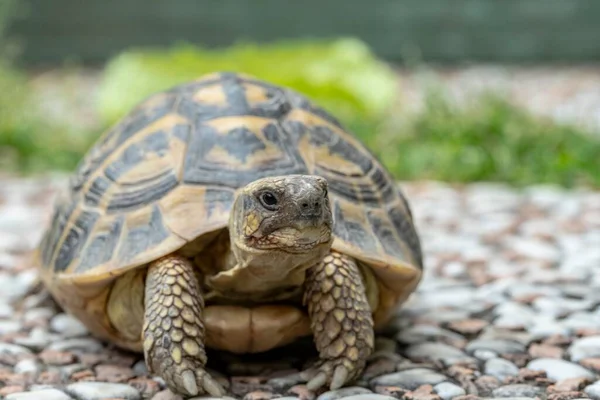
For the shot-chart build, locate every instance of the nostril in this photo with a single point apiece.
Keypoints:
(304, 205)
(317, 204)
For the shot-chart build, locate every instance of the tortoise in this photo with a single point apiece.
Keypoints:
(231, 213)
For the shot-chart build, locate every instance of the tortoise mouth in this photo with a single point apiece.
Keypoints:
(292, 240)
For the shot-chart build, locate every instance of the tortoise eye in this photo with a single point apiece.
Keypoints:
(269, 200)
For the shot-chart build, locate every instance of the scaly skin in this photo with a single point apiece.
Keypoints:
(173, 330)
(341, 321)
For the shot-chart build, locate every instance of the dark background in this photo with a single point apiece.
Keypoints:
(442, 31)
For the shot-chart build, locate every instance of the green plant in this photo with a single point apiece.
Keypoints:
(491, 140)
(342, 75)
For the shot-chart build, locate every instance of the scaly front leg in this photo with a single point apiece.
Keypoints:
(173, 330)
(341, 321)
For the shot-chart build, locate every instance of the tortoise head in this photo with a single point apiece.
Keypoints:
(287, 214)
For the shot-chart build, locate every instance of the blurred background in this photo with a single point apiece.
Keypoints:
(460, 91)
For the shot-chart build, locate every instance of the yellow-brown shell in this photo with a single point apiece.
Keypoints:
(168, 172)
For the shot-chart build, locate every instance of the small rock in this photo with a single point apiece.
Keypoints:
(13, 349)
(468, 326)
(545, 351)
(7, 327)
(37, 340)
(591, 363)
(140, 368)
(166, 395)
(38, 316)
(497, 345)
(437, 351)
(67, 325)
(424, 392)
(517, 390)
(559, 369)
(27, 366)
(484, 354)
(447, 390)
(593, 390)
(113, 373)
(302, 392)
(486, 384)
(12, 389)
(57, 357)
(500, 368)
(569, 385)
(393, 391)
(410, 379)
(86, 345)
(343, 393)
(102, 390)
(586, 347)
(46, 394)
(423, 333)
(370, 397)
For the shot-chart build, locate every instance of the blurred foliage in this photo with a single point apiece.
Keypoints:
(342, 75)
(29, 140)
(488, 140)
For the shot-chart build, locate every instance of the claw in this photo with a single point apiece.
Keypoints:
(316, 382)
(189, 382)
(339, 377)
(212, 387)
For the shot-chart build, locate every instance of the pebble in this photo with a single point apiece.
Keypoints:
(410, 379)
(27, 366)
(447, 390)
(68, 326)
(593, 390)
(343, 393)
(425, 333)
(559, 369)
(369, 397)
(496, 345)
(517, 390)
(87, 345)
(13, 349)
(586, 347)
(7, 327)
(45, 394)
(437, 351)
(102, 390)
(500, 368)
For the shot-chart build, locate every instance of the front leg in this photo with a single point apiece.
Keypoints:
(341, 321)
(173, 330)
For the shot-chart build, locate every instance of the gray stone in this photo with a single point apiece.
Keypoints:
(437, 351)
(499, 346)
(500, 368)
(484, 355)
(37, 314)
(13, 349)
(447, 390)
(102, 390)
(593, 390)
(67, 325)
(9, 326)
(371, 396)
(410, 379)
(546, 326)
(27, 366)
(424, 333)
(87, 345)
(6, 311)
(38, 339)
(45, 394)
(559, 369)
(140, 368)
(517, 390)
(343, 393)
(584, 348)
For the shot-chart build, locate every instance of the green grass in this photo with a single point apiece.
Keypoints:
(489, 140)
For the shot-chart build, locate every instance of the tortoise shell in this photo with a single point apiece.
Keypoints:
(167, 174)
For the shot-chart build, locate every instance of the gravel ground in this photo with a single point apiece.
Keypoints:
(509, 308)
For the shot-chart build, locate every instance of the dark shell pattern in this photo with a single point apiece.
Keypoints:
(167, 173)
